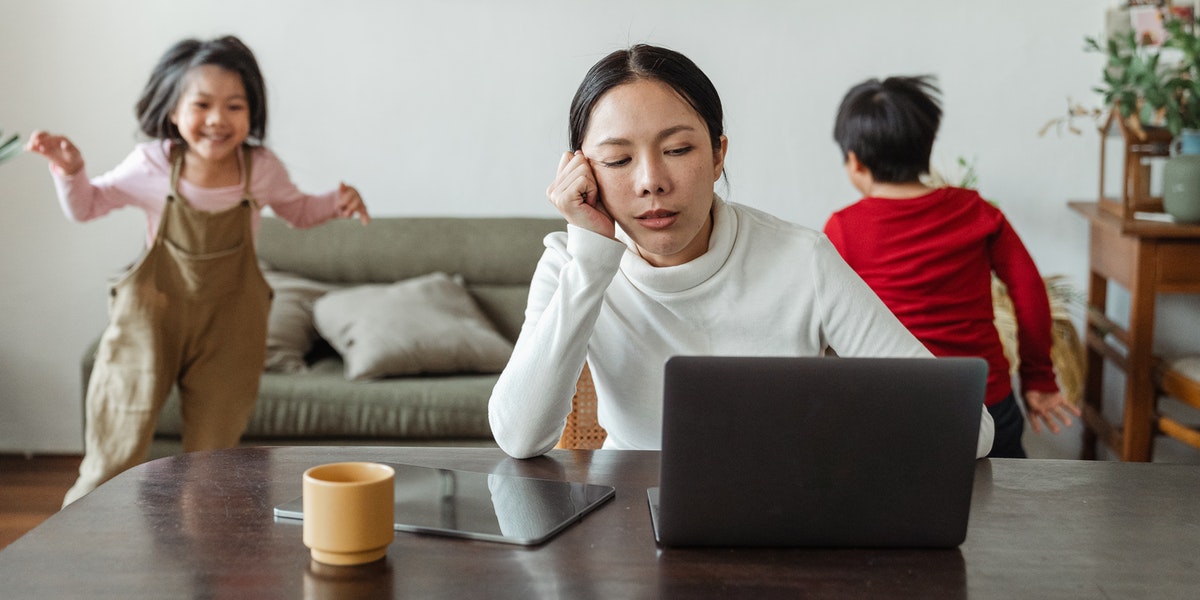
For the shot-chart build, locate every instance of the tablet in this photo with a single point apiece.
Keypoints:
(482, 506)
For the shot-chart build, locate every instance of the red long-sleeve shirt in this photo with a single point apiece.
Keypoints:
(930, 260)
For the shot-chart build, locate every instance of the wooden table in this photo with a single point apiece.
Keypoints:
(200, 526)
(1146, 258)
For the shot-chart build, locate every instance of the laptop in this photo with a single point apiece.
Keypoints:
(817, 452)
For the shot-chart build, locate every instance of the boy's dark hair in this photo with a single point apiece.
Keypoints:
(647, 62)
(890, 126)
(162, 91)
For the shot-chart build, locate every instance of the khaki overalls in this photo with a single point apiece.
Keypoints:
(193, 312)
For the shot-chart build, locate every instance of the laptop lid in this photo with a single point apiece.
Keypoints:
(818, 452)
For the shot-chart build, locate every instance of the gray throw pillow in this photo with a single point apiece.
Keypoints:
(290, 330)
(427, 324)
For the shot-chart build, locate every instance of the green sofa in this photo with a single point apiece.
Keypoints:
(495, 258)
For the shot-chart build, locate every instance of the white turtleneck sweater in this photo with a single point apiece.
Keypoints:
(765, 287)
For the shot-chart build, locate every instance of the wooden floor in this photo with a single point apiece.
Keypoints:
(32, 489)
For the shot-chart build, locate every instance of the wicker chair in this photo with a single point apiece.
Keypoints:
(583, 431)
(1066, 350)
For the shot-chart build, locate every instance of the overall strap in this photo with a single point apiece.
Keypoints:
(176, 167)
(246, 152)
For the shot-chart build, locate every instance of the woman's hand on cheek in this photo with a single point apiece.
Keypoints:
(575, 194)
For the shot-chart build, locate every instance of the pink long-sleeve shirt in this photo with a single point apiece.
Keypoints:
(143, 180)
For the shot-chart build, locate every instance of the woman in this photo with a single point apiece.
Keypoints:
(654, 264)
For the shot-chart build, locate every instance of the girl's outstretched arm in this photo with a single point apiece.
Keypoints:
(64, 157)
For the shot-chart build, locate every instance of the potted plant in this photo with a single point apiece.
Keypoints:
(1181, 174)
(1183, 99)
(10, 147)
(1135, 84)
(1152, 95)
(1147, 87)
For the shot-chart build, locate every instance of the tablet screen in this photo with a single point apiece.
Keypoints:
(482, 506)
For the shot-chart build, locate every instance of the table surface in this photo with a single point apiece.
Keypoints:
(200, 525)
(1134, 227)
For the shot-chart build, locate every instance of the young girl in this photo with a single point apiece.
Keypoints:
(654, 264)
(193, 311)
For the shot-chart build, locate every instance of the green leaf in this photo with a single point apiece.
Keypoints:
(10, 148)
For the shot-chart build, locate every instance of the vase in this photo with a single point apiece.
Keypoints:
(1181, 188)
(1187, 142)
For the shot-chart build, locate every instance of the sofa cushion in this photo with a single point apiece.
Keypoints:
(290, 329)
(427, 324)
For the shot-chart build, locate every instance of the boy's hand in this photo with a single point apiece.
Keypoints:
(1049, 408)
(64, 157)
(575, 194)
(350, 204)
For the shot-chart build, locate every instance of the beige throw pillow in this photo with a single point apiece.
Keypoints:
(290, 330)
(427, 324)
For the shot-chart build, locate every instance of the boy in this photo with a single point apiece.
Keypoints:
(929, 253)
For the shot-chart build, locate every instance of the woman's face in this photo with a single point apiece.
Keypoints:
(655, 166)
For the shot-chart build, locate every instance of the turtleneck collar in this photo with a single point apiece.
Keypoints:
(668, 280)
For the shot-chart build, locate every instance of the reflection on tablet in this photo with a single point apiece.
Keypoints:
(482, 506)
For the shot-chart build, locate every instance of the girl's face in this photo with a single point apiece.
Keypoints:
(212, 115)
(655, 166)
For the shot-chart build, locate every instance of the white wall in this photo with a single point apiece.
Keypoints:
(458, 107)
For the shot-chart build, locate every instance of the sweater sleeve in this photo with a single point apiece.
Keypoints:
(1015, 267)
(272, 186)
(530, 403)
(855, 322)
(83, 199)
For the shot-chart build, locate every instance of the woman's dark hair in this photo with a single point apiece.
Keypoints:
(890, 126)
(647, 62)
(162, 91)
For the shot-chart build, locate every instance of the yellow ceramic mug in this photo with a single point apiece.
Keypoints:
(348, 510)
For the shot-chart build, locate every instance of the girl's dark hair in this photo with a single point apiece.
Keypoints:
(890, 126)
(647, 62)
(162, 91)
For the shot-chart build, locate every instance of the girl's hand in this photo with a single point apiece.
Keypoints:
(350, 204)
(575, 194)
(64, 157)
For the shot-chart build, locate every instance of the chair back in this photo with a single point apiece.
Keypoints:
(583, 431)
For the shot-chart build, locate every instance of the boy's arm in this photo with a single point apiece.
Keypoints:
(1015, 267)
